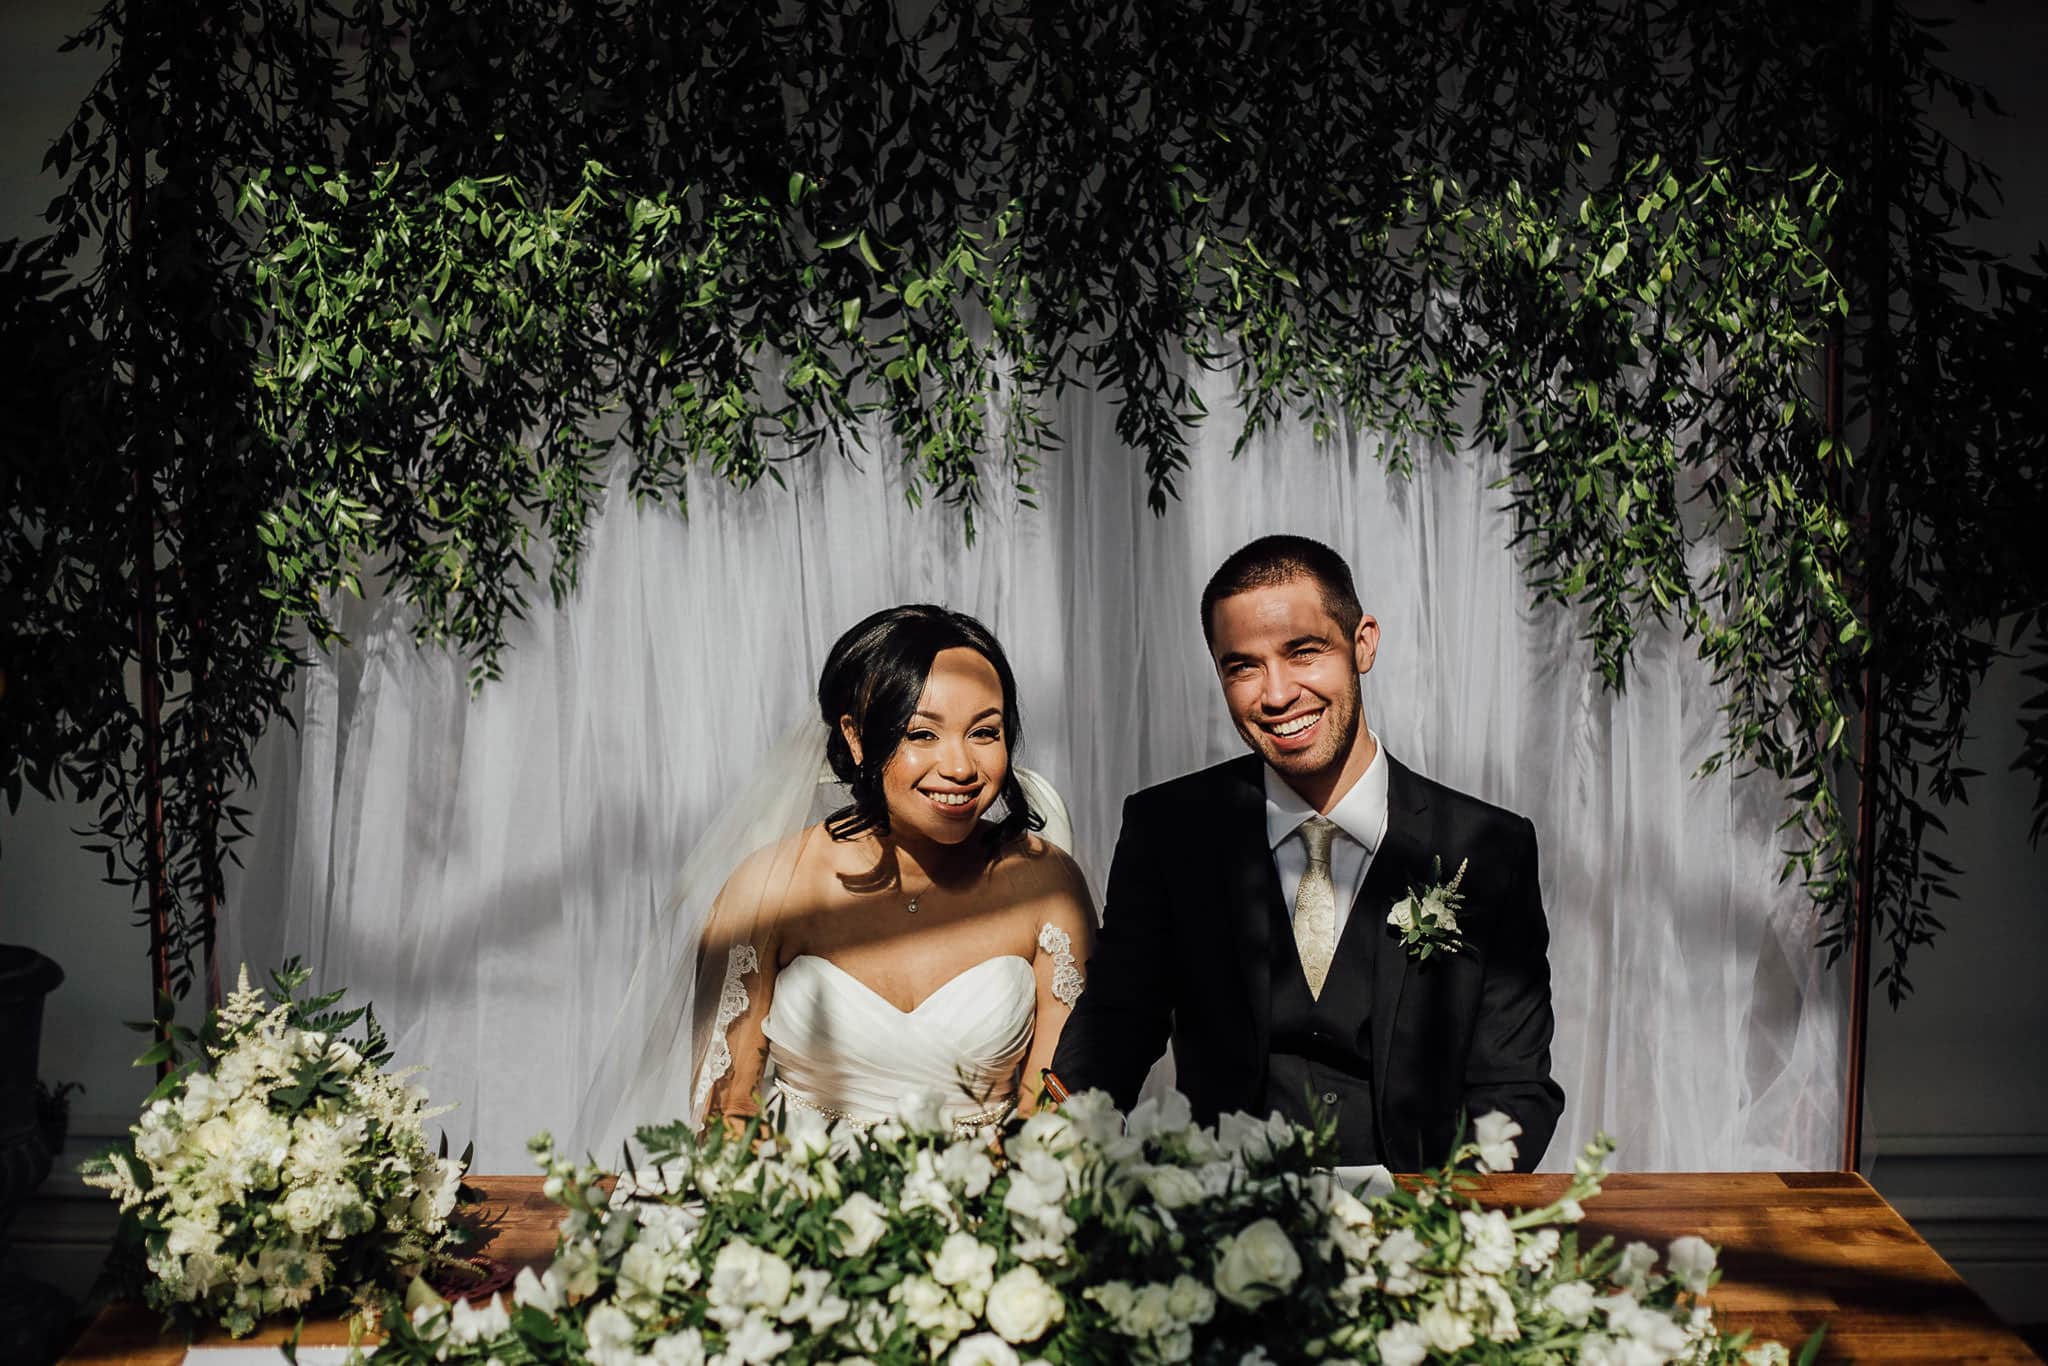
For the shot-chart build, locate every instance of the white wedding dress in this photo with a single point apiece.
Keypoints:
(837, 1047)
(834, 1045)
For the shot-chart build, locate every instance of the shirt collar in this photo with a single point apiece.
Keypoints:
(1360, 813)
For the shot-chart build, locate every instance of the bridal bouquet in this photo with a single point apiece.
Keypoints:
(1086, 1239)
(292, 1169)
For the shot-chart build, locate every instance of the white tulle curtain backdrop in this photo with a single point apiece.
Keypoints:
(487, 869)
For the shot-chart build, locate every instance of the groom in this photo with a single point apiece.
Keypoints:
(1247, 908)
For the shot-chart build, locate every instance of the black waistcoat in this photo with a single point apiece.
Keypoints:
(1322, 1049)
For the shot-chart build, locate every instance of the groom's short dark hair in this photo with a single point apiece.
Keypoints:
(1274, 560)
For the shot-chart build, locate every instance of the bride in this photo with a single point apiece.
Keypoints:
(920, 938)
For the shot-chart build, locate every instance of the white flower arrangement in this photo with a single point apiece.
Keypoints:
(292, 1171)
(1088, 1239)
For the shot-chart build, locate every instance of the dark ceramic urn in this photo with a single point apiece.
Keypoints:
(26, 977)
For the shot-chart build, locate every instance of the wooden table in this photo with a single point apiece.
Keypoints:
(1797, 1249)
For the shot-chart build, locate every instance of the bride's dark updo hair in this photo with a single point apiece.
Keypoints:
(876, 674)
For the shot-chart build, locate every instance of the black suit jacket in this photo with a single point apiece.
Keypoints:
(1186, 950)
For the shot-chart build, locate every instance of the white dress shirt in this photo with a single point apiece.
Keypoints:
(1361, 819)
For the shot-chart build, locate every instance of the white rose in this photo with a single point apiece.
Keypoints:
(808, 1134)
(924, 1301)
(1573, 1301)
(1597, 1349)
(1189, 1301)
(964, 1260)
(1256, 1265)
(1115, 1297)
(202, 1097)
(1634, 1269)
(1692, 1262)
(608, 1331)
(1489, 1242)
(966, 1167)
(643, 1271)
(1404, 1344)
(1445, 1328)
(1490, 1306)
(216, 1137)
(1650, 1329)
(1092, 1115)
(756, 1341)
(744, 1276)
(304, 1209)
(1038, 1191)
(983, 1349)
(814, 1301)
(677, 1349)
(446, 1187)
(1022, 1306)
(929, 1309)
(156, 1144)
(1150, 1313)
(924, 1188)
(468, 1324)
(865, 1220)
(1540, 1252)
(577, 1263)
(1174, 1187)
(533, 1292)
(1244, 1137)
(1162, 1116)
(1402, 917)
(922, 1112)
(1398, 1254)
(1495, 1133)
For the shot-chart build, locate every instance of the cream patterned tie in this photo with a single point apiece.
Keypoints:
(1315, 906)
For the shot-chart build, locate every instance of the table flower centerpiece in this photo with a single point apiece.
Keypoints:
(1086, 1237)
(281, 1167)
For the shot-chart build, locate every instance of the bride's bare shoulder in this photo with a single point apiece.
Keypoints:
(1034, 866)
(779, 873)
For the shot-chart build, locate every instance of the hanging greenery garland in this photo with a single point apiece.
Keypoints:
(385, 273)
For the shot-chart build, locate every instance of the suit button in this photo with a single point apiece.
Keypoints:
(1329, 1097)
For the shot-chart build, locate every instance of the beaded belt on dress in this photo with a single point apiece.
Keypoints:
(964, 1126)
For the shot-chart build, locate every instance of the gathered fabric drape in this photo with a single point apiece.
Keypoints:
(487, 869)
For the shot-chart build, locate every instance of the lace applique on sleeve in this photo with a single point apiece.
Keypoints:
(1067, 980)
(732, 1003)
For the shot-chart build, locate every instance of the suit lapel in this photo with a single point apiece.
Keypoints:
(1253, 888)
(1399, 862)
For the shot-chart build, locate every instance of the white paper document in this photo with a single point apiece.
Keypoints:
(1366, 1182)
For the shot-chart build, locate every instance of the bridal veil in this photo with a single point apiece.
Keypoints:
(651, 1066)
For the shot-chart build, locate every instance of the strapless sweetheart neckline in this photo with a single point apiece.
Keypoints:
(840, 1047)
(929, 997)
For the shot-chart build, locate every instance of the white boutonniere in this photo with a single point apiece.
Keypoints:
(1428, 916)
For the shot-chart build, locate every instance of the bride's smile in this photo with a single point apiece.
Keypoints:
(953, 757)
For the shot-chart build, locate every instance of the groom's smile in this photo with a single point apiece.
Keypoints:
(1290, 679)
(1294, 728)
